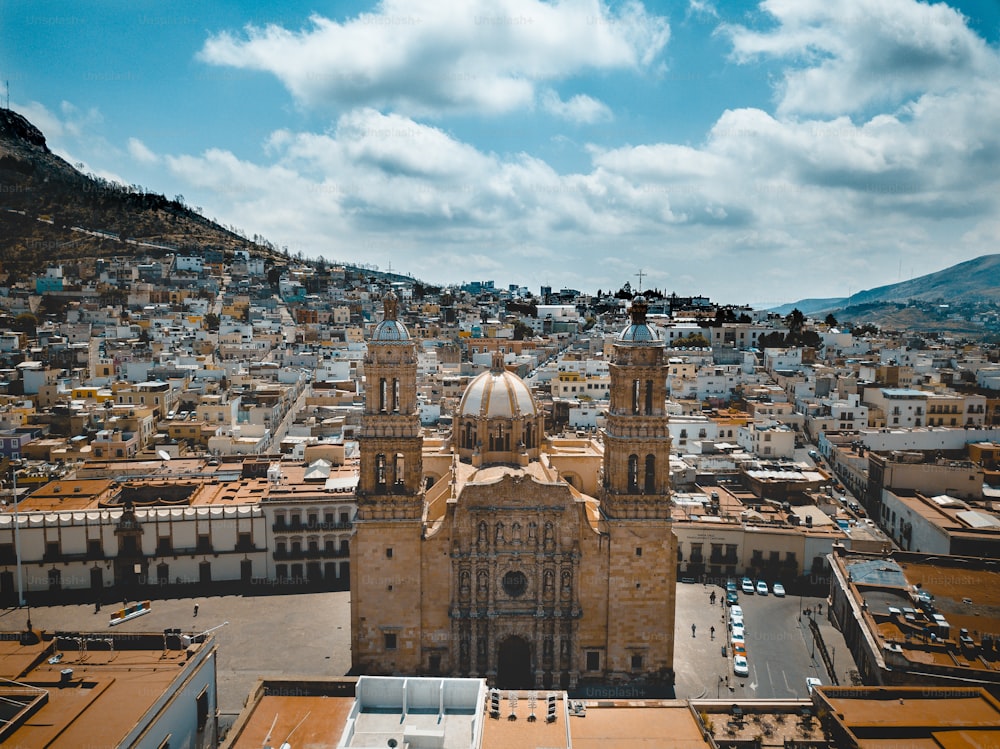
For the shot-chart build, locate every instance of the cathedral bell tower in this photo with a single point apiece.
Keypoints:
(389, 485)
(385, 550)
(637, 439)
(635, 501)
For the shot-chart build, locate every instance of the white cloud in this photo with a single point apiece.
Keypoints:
(421, 57)
(580, 109)
(853, 54)
(141, 152)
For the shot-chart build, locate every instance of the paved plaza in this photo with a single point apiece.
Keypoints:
(306, 634)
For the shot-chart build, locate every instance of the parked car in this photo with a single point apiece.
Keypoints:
(761, 588)
(731, 586)
(812, 682)
(736, 611)
(736, 620)
(740, 648)
(738, 632)
(778, 589)
(740, 665)
(732, 598)
(747, 586)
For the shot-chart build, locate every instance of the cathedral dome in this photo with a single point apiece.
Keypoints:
(390, 330)
(497, 394)
(638, 330)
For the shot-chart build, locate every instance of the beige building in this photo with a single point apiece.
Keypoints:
(479, 558)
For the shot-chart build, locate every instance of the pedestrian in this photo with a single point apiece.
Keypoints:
(196, 609)
(711, 631)
(97, 607)
(692, 630)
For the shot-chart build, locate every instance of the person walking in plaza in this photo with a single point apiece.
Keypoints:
(196, 609)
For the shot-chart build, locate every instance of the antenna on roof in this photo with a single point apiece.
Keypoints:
(163, 454)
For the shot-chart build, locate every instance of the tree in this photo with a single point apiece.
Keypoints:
(522, 331)
(795, 321)
(831, 320)
(25, 323)
(212, 322)
(693, 340)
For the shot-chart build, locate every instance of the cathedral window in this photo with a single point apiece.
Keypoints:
(388, 553)
(515, 583)
(650, 478)
(649, 397)
(395, 394)
(636, 662)
(380, 469)
(633, 473)
(593, 660)
(400, 469)
(383, 395)
(389, 640)
(635, 396)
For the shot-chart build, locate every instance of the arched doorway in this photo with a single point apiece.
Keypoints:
(514, 664)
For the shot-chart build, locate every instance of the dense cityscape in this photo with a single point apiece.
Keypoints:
(503, 374)
(191, 429)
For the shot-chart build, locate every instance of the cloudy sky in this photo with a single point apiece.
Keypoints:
(751, 153)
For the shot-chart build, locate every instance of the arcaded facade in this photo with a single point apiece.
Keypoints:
(484, 557)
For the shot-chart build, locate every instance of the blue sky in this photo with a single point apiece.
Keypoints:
(753, 153)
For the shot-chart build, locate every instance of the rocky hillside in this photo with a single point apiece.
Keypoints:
(51, 212)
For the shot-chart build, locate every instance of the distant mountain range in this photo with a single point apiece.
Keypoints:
(972, 281)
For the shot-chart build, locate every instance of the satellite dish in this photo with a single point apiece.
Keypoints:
(163, 454)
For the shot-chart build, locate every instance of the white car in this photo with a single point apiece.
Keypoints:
(736, 621)
(740, 666)
(747, 586)
(812, 682)
(736, 611)
(738, 632)
(778, 589)
(761, 588)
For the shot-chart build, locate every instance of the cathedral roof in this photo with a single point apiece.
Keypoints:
(390, 330)
(638, 330)
(497, 394)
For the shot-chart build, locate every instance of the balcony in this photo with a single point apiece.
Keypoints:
(301, 527)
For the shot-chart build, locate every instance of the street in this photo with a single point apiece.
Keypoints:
(779, 646)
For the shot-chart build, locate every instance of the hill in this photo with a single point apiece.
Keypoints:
(51, 212)
(975, 280)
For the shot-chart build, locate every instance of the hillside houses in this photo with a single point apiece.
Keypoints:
(206, 358)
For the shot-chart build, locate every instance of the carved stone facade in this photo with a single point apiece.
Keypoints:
(502, 569)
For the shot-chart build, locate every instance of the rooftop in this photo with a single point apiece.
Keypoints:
(87, 689)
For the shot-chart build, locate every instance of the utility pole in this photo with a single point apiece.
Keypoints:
(14, 465)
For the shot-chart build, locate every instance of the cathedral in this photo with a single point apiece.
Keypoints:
(493, 554)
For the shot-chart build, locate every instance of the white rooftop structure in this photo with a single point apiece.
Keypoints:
(418, 712)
